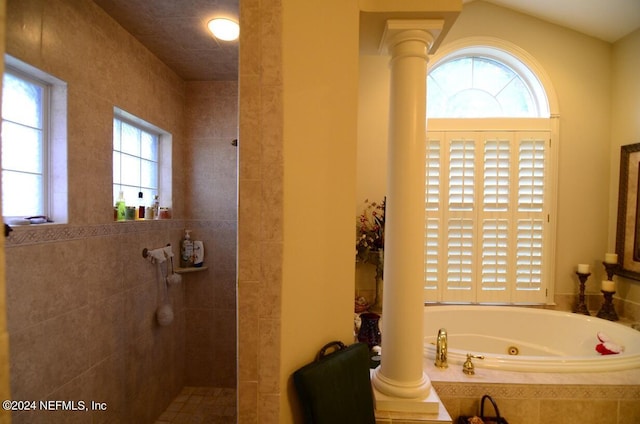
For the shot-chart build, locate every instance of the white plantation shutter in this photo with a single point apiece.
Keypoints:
(433, 225)
(461, 174)
(497, 161)
(495, 250)
(529, 254)
(487, 232)
(433, 174)
(531, 175)
(432, 242)
(460, 228)
(530, 233)
(460, 246)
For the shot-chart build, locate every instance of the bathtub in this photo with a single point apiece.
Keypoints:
(528, 339)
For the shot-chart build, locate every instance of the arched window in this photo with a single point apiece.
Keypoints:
(490, 181)
(484, 82)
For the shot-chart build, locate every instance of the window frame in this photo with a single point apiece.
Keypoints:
(525, 65)
(515, 58)
(164, 158)
(54, 138)
(44, 134)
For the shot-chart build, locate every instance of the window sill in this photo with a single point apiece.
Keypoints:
(15, 223)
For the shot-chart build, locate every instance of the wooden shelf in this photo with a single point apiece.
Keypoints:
(190, 269)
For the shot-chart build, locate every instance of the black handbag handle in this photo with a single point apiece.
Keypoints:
(495, 407)
(336, 343)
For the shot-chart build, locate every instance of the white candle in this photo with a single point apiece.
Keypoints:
(610, 258)
(583, 268)
(608, 286)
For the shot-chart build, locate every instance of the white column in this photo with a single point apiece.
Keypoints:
(401, 374)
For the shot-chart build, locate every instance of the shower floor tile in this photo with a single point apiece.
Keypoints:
(201, 405)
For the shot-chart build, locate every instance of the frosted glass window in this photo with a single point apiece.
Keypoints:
(23, 102)
(34, 143)
(478, 87)
(23, 146)
(135, 163)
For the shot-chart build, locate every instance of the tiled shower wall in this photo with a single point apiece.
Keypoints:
(80, 297)
(81, 300)
(261, 212)
(81, 304)
(211, 191)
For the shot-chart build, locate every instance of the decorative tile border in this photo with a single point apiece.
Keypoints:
(537, 391)
(51, 233)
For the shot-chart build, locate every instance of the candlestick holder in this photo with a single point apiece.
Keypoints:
(607, 311)
(581, 307)
(610, 269)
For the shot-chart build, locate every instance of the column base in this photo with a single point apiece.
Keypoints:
(389, 397)
(428, 410)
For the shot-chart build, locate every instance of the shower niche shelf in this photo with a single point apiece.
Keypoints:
(191, 269)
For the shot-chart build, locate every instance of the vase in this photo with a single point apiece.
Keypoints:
(369, 332)
(377, 304)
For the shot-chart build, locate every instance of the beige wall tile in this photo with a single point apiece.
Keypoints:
(82, 298)
(247, 402)
(50, 269)
(249, 302)
(629, 412)
(4, 374)
(516, 411)
(107, 328)
(260, 202)
(270, 289)
(269, 356)
(211, 124)
(269, 408)
(579, 412)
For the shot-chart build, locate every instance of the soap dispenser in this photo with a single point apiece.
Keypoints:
(186, 250)
(198, 253)
(121, 208)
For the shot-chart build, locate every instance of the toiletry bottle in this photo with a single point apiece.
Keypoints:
(121, 208)
(140, 206)
(156, 207)
(186, 250)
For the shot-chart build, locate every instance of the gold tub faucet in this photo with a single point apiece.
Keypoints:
(441, 349)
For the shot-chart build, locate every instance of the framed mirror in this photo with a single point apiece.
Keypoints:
(628, 226)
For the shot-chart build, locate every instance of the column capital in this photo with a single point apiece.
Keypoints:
(424, 31)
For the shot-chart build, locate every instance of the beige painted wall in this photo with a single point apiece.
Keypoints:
(298, 100)
(320, 45)
(580, 71)
(373, 123)
(625, 129)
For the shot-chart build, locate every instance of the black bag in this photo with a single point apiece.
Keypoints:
(336, 387)
(487, 420)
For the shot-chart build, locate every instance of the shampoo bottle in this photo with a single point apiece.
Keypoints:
(156, 208)
(141, 208)
(121, 208)
(186, 250)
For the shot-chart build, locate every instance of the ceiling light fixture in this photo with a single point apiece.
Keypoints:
(224, 29)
